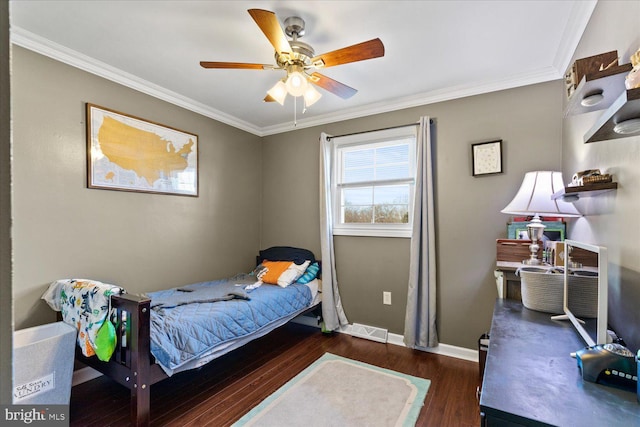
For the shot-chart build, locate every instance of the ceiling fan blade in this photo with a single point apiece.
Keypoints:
(333, 86)
(268, 23)
(235, 65)
(357, 52)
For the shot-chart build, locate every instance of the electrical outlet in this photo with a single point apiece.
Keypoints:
(386, 298)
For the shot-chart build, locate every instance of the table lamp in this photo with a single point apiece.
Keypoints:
(534, 199)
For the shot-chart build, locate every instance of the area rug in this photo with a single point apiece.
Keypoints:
(335, 391)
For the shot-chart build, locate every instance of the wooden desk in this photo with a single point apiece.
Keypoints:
(531, 380)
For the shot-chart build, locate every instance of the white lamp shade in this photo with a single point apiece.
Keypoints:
(297, 84)
(278, 92)
(534, 196)
(311, 95)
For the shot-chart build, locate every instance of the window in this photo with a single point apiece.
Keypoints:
(372, 185)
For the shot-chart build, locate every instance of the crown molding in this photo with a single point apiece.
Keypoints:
(580, 15)
(446, 94)
(31, 41)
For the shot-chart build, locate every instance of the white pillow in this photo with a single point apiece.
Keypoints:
(292, 273)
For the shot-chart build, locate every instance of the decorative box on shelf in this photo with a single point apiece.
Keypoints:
(587, 66)
(593, 179)
(514, 250)
(594, 83)
(555, 253)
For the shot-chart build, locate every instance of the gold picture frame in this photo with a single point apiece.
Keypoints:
(486, 158)
(127, 153)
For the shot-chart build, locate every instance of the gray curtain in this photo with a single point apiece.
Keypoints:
(420, 320)
(332, 312)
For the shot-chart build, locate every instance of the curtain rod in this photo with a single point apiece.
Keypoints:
(378, 130)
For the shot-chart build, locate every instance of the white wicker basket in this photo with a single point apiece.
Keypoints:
(542, 290)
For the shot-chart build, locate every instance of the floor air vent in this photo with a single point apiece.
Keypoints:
(369, 332)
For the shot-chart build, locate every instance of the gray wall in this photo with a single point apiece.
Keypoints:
(146, 242)
(468, 218)
(140, 241)
(6, 303)
(611, 219)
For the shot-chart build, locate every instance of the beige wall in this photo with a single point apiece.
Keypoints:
(468, 217)
(140, 241)
(611, 219)
(6, 302)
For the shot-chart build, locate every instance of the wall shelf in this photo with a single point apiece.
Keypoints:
(607, 82)
(586, 190)
(625, 107)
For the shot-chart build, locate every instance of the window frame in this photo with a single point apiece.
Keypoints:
(373, 139)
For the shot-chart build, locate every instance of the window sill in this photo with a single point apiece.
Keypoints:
(369, 232)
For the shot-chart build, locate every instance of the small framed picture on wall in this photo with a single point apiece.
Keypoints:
(486, 158)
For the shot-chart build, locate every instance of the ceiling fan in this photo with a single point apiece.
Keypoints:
(298, 59)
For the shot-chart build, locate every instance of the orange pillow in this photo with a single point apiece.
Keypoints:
(274, 270)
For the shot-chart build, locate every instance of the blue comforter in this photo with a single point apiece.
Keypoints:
(182, 332)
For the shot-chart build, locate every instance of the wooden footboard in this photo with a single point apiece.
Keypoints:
(131, 364)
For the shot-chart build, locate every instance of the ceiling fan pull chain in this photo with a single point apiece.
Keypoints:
(295, 111)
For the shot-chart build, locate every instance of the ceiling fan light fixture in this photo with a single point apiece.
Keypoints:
(311, 96)
(298, 58)
(297, 83)
(278, 92)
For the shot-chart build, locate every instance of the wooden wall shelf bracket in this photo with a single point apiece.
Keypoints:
(587, 190)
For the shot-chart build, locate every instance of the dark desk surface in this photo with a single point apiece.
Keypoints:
(531, 379)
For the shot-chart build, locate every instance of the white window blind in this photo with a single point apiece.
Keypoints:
(374, 175)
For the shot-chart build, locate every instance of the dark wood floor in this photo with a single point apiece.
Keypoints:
(224, 390)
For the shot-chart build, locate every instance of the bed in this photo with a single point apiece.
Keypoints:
(169, 331)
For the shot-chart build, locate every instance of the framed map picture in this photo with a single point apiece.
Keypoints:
(131, 154)
(486, 157)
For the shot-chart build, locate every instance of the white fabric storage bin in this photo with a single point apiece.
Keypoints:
(43, 364)
(543, 290)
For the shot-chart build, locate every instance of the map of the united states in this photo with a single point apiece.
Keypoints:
(145, 153)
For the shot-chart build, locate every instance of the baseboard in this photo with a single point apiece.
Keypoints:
(83, 375)
(396, 339)
(442, 349)
(454, 351)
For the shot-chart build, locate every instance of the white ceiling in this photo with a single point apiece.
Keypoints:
(434, 50)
